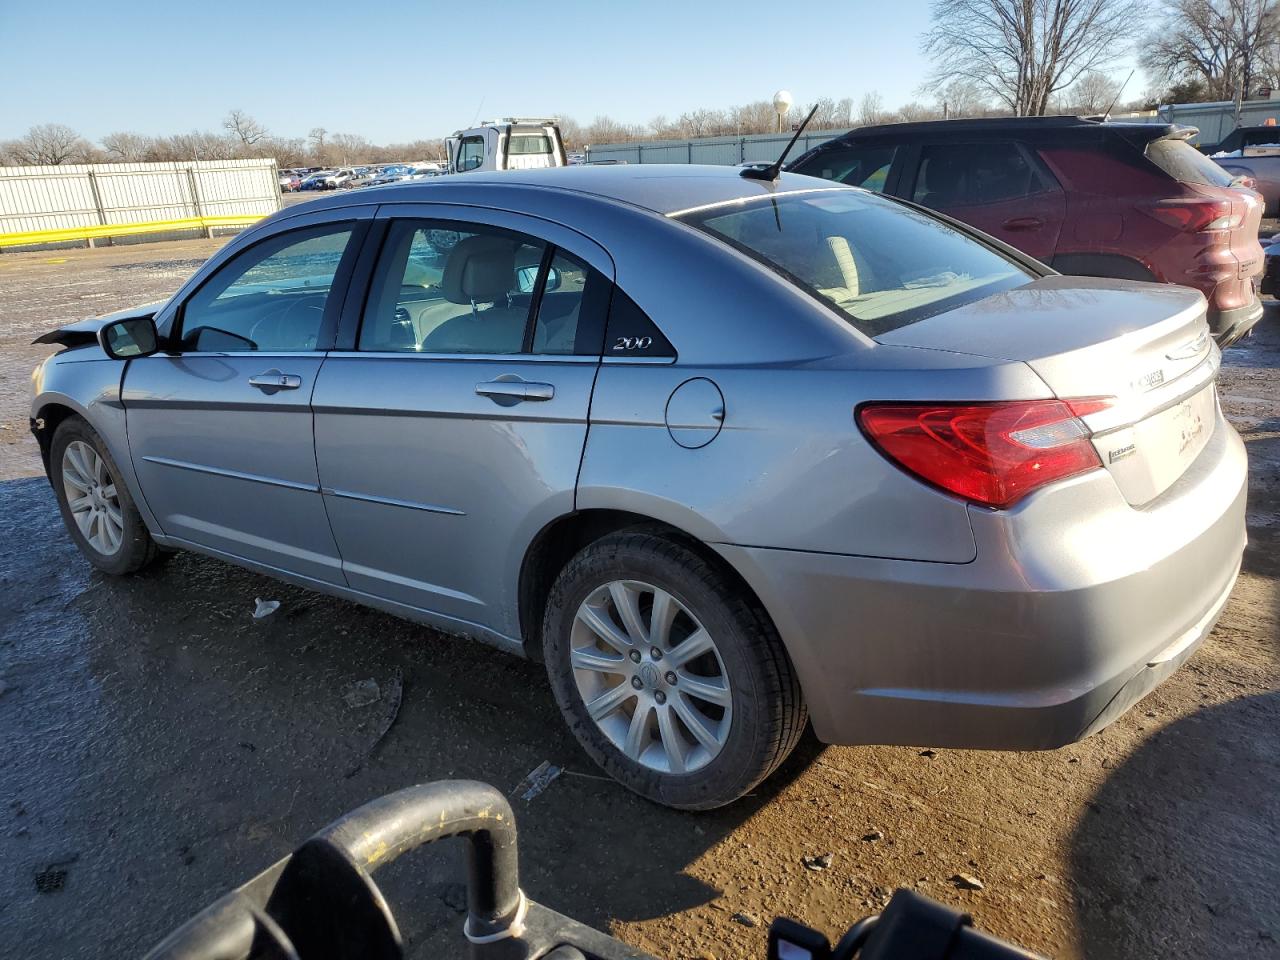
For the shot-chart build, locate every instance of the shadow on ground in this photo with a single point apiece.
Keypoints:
(1136, 864)
(162, 745)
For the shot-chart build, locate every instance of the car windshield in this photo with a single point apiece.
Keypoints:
(878, 264)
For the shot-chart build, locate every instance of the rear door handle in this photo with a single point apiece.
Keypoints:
(508, 392)
(1023, 223)
(275, 380)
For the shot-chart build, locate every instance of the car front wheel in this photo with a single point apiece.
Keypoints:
(96, 507)
(671, 678)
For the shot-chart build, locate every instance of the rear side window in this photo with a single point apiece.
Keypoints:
(1186, 164)
(520, 144)
(858, 165)
(973, 174)
(879, 265)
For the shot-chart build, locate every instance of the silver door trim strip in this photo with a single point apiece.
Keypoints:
(391, 502)
(234, 474)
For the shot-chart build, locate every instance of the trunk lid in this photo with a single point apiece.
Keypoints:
(1147, 346)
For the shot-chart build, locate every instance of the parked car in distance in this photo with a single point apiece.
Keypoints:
(728, 455)
(390, 174)
(289, 181)
(1254, 153)
(315, 180)
(334, 179)
(1126, 200)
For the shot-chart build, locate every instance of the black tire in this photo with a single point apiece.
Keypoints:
(769, 715)
(137, 550)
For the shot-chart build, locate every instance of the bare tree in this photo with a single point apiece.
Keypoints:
(244, 128)
(1092, 93)
(1021, 52)
(962, 97)
(1231, 46)
(871, 109)
(125, 147)
(50, 144)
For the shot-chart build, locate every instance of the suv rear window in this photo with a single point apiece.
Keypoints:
(1186, 164)
(879, 265)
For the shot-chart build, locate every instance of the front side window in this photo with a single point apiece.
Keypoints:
(972, 174)
(272, 297)
(470, 153)
(878, 264)
(858, 165)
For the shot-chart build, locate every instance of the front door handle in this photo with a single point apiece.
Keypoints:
(275, 380)
(1023, 223)
(508, 391)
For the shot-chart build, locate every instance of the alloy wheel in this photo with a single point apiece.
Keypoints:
(651, 677)
(92, 497)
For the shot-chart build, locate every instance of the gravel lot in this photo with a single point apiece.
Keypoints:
(160, 746)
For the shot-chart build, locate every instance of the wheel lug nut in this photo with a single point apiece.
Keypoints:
(660, 697)
(655, 653)
(637, 682)
(670, 677)
(635, 656)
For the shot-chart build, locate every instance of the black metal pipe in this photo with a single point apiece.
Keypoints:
(390, 826)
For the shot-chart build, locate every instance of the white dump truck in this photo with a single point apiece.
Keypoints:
(511, 143)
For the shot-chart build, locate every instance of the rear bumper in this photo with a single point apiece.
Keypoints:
(1076, 606)
(1228, 326)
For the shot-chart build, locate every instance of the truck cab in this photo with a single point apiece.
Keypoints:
(511, 143)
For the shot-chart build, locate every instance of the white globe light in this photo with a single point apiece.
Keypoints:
(782, 101)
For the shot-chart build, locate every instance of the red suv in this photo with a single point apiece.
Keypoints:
(1128, 200)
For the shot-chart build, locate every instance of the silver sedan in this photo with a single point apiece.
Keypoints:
(731, 455)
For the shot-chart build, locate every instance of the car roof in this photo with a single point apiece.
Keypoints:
(1004, 125)
(659, 187)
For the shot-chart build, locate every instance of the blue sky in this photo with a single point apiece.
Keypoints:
(404, 69)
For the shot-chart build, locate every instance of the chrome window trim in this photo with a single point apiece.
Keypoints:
(490, 357)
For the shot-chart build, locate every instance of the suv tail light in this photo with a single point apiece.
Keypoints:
(992, 454)
(1198, 216)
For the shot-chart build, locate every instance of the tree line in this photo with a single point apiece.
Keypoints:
(992, 58)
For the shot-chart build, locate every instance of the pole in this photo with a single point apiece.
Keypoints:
(195, 201)
(97, 202)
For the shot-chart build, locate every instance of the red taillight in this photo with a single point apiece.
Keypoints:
(988, 453)
(1197, 216)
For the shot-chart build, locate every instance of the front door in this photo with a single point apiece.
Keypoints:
(220, 425)
(996, 186)
(454, 429)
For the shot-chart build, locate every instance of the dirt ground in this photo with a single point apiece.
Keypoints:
(158, 745)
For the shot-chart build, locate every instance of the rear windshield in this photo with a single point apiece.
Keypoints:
(1185, 163)
(528, 143)
(880, 265)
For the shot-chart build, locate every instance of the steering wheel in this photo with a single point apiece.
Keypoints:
(289, 325)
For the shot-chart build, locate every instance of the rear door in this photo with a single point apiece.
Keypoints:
(450, 422)
(997, 186)
(220, 424)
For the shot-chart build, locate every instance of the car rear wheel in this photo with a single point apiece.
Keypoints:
(96, 507)
(672, 679)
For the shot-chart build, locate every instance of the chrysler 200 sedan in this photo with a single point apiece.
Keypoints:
(730, 455)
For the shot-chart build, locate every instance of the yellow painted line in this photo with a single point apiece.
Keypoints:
(62, 234)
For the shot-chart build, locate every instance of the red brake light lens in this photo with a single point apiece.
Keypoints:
(992, 454)
(1198, 216)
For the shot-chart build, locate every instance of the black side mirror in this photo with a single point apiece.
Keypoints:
(129, 338)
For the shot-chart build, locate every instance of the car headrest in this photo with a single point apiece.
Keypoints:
(482, 269)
